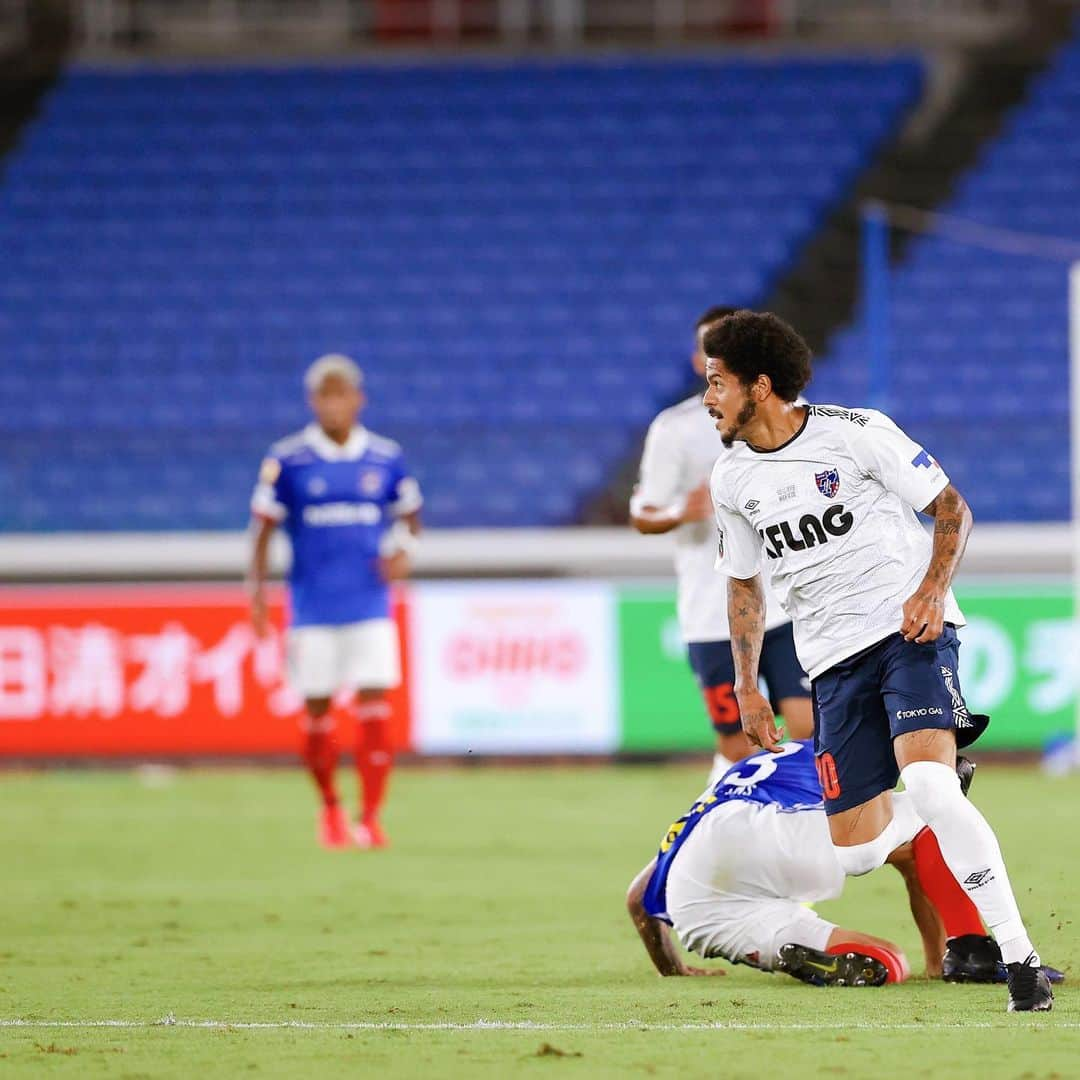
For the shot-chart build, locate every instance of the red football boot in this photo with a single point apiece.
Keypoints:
(333, 828)
(369, 834)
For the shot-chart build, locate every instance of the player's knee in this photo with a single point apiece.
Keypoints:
(906, 822)
(859, 859)
(798, 717)
(933, 788)
(734, 746)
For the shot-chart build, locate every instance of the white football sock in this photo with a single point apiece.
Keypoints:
(971, 852)
(858, 859)
(720, 765)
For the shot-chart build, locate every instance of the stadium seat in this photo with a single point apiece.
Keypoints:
(980, 338)
(514, 253)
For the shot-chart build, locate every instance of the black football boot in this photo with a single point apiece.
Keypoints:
(829, 969)
(1029, 988)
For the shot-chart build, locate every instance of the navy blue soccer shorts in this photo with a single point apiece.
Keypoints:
(714, 667)
(867, 700)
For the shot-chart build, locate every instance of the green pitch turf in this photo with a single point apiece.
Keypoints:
(204, 898)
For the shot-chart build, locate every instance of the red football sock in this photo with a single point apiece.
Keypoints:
(374, 757)
(895, 961)
(320, 754)
(957, 912)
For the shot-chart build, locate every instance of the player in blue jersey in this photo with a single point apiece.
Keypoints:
(350, 507)
(733, 874)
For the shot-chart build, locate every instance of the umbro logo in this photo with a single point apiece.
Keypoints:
(959, 706)
(980, 877)
(752, 505)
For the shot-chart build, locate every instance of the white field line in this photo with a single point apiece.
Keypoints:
(513, 1025)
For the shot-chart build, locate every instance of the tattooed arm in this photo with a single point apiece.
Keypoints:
(655, 935)
(924, 610)
(746, 612)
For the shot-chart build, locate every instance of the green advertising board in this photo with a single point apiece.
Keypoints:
(1020, 662)
(661, 706)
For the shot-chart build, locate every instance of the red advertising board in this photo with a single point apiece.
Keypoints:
(171, 670)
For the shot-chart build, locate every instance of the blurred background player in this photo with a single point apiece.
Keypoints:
(351, 510)
(672, 495)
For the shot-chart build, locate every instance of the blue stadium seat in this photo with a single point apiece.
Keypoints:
(980, 339)
(514, 254)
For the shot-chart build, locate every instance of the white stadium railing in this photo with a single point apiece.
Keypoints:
(994, 551)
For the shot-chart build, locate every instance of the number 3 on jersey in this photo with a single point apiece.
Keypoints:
(759, 767)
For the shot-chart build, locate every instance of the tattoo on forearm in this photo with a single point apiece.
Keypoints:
(746, 611)
(952, 525)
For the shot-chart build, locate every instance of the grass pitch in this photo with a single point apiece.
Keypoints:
(490, 940)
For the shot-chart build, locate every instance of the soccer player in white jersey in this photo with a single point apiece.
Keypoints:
(823, 501)
(672, 496)
(351, 509)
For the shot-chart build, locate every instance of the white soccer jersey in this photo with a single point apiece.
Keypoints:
(737, 887)
(829, 518)
(680, 450)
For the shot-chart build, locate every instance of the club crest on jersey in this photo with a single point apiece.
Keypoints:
(828, 482)
(371, 482)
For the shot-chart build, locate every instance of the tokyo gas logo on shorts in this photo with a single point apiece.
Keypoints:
(914, 714)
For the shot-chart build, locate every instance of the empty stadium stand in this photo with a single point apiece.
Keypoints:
(979, 336)
(513, 252)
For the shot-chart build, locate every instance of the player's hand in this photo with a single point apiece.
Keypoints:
(758, 720)
(687, 970)
(260, 614)
(698, 505)
(924, 616)
(395, 567)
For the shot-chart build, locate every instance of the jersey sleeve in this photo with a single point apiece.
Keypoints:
(405, 495)
(660, 480)
(268, 499)
(886, 453)
(738, 547)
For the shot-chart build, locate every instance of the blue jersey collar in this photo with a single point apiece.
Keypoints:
(355, 445)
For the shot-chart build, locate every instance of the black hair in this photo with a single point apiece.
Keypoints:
(714, 314)
(753, 343)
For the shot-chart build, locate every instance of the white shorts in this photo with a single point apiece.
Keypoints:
(357, 656)
(736, 888)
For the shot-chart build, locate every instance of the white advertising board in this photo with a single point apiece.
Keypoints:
(514, 667)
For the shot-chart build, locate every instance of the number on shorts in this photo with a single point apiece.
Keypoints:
(722, 704)
(827, 776)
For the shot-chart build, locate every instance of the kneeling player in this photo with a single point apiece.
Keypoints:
(733, 874)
